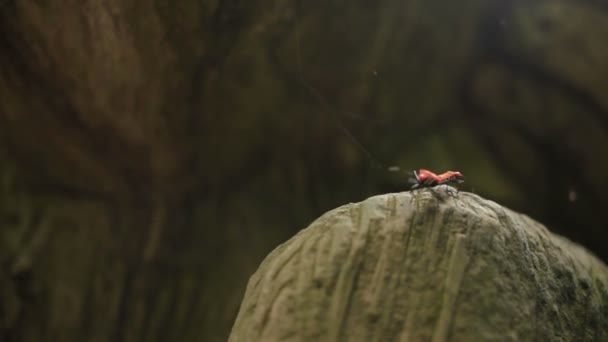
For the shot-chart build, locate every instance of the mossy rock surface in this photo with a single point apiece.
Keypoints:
(428, 265)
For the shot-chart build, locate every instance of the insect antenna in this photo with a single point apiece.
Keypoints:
(328, 110)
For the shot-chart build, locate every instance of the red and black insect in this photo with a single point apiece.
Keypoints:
(427, 179)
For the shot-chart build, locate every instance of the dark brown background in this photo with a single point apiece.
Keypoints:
(153, 152)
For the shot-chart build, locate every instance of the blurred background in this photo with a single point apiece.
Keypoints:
(154, 152)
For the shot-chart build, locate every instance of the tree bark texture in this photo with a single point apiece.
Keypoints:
(426, 266)
(111, 200)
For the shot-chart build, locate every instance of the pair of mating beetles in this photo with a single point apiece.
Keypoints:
(427, 179)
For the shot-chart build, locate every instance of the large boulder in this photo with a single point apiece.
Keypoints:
(428, 265)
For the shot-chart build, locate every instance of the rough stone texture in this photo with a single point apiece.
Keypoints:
(426, 266)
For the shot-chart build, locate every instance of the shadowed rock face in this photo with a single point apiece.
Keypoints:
(425, 266)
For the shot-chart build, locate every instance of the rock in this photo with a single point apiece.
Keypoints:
(428, 265)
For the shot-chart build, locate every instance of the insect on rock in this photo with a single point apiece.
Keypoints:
(426, 179)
